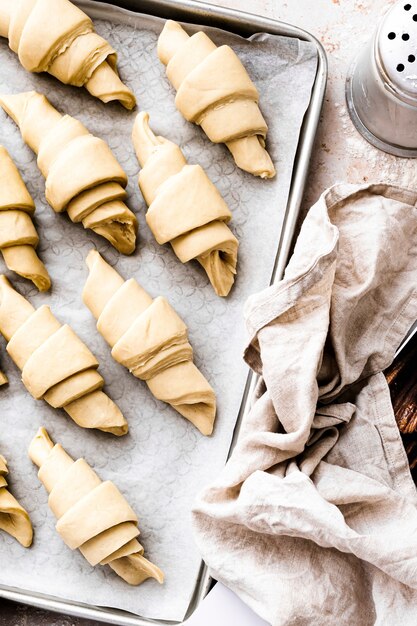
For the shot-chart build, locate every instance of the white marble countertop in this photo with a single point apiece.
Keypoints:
(343, 27)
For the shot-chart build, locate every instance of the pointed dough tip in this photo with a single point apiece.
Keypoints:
(43, 284)
(171, 37)
(4, 282)
(135, 569)
(93, 256)
(251, 156)
(144, 139)
(105, 84)
(14, 104)
(40, 446)
(118, 431)
(206, 426)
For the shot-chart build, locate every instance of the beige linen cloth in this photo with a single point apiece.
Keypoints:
(313, 521)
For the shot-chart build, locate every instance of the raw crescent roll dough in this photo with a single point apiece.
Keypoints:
(55, 36)
(214, 91)
(13, 517)
(150, 339)
(18, 236)
(185, 207)
(3, 379)
(56, 365)
(82, 175)
(93, 516)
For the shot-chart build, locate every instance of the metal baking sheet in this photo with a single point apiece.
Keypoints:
(243, 24)
(407, 339)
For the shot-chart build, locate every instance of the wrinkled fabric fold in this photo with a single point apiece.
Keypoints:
(317, 497)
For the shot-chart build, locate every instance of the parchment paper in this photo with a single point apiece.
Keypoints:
(164, 461)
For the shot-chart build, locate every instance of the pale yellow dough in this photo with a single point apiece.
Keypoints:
(56, 365)
(18, 236)
(214, 91)
(93, 516)
(13, 517)
(55, 36)
(3, 379)
(82, 175)
(149, 338)
(185, 208)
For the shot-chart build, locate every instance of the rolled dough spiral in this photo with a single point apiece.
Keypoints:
(93, 516)
(185, 208)
(150, 339)
(18, 236)
(55, 36)
(56, 365)
(215, 91)
(13, 517)
(82, 175)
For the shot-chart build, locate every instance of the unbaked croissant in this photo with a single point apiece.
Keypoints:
(150, 339)
(3, 379)
(55, 36)
(185, 207)
(93, 516)
(214, 91)
(13, 517)
(18, 236)
(82, 175)
(56, 365)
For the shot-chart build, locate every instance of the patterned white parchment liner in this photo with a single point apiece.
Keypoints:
(163, 461)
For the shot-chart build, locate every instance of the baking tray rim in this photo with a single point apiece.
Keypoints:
(197, 12)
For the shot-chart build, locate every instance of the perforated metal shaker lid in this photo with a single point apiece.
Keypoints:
(397, 47)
